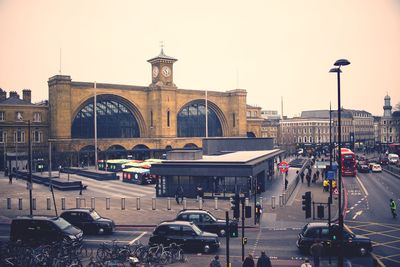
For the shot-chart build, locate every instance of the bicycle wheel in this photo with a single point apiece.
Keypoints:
(102, 254)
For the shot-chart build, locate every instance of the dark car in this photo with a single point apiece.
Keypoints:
(207, 222)
(39, 230)
(363, 168)
(186, 234)
(89, 221)
(353, 244)
(384, 161)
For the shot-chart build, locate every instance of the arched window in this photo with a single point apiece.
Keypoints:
(114, 120)
(192, 121)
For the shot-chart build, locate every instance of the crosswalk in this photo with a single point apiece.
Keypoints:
(115, 188)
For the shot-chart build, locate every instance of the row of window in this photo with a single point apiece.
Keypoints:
(19, 136)
(19, 116)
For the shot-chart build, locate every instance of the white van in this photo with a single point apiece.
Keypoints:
(393, 158)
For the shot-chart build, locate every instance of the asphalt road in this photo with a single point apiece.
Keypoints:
(369, 213)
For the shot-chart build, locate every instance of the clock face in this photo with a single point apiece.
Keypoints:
(155, 71)
(166, 71)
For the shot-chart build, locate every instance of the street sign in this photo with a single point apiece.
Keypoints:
(283, 166)
(336, 191)
(330, 175)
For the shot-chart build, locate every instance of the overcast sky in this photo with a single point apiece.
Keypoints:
(272, 49)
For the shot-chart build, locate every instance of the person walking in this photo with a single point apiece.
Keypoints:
(201, 193)
(317, 173)
(264, 260)
(258, 212)
(248, 261)
(80, 187)
(215, 262)
(393, 208)
(316, 250)
(308, 178)
(326, 185)
(10, 178)
(302, 176)
(179, 194)
(306, 263)
(286, 183)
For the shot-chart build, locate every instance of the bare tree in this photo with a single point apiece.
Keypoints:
(397, 107)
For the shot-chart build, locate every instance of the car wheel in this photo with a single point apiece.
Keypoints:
(362, 251)
(206, 248)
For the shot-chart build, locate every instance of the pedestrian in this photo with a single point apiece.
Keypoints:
(314, 180)
(393, 208)
(264, 260)
(248, 261)
(258, 212)
(179, 194)
(80, 187)
(201, 193)
(308, 178)
(6, 172)
(317, 173)
(326, 185)
(286, 183)
(215, 262)
(306, 263)
(10, 178)
(316, 250)
(302, 176)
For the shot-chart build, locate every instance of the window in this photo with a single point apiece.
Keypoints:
(248, 113)
(194, 218)
(151, 118)
(37, 136)
(2, 116)
(187, 231)
(18, 116)
(234, 120)
(19, 136)
(168, 119)
(37, 117)
(3, 136)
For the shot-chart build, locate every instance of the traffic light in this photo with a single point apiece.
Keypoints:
(307, 204)
(233, 230)
(320, 212)
(235, 206)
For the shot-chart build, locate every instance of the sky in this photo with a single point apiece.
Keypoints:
(275, 49)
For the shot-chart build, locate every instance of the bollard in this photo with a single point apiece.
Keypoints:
(92, 202)
(48, 203)
(122, 203)
(169, 203)
(34, 203)
(63, 203)
(9, 203)
(77, 203)
(280, 200)
(215, 203)
(246, 201)
(284, 198)
(20, 203)
(107, 203)
(84, 202)
(138, 203)
(261, 203)
(200, 203)
(273, 202)
(184, 203)
(153, 203)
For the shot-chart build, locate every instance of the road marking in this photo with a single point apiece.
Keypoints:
(362, 186)
(358, 213)
(137, 238)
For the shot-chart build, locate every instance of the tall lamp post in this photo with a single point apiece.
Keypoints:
(339, 63)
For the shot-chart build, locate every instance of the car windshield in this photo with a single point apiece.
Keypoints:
(95, 215)
(61, 223)
(196, 229)
(212, 216)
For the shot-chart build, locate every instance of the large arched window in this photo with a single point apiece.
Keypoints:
(192, 121)
(114, 120)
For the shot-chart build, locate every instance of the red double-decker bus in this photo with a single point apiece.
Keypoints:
(348, 162)
(394, 149)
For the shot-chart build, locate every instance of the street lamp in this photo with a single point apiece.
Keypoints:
(339, 63)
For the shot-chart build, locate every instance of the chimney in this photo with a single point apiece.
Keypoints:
(26, 95)
(3, 95)
(14, 94)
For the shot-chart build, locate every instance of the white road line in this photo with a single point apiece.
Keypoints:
(362, 186)
(357, 214)
(137, 238)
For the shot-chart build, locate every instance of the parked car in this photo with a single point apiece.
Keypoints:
(353, 244)
(376, 168)
(39, 230)
(89, 221)
(186, 234)
(363, 168)
(207, 222)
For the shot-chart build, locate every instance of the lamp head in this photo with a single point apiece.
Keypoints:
(341, 62)
(337, 70)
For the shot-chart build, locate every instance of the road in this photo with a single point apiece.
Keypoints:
(369, 213)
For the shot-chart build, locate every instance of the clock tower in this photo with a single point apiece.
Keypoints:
(162, 69)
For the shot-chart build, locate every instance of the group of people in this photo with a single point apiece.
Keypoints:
(263, 261)
(326, 184)
(308, 176)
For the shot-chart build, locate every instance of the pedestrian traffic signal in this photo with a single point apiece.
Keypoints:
(320, 212)
(235, 206)
(233, 230)
(307, 204)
